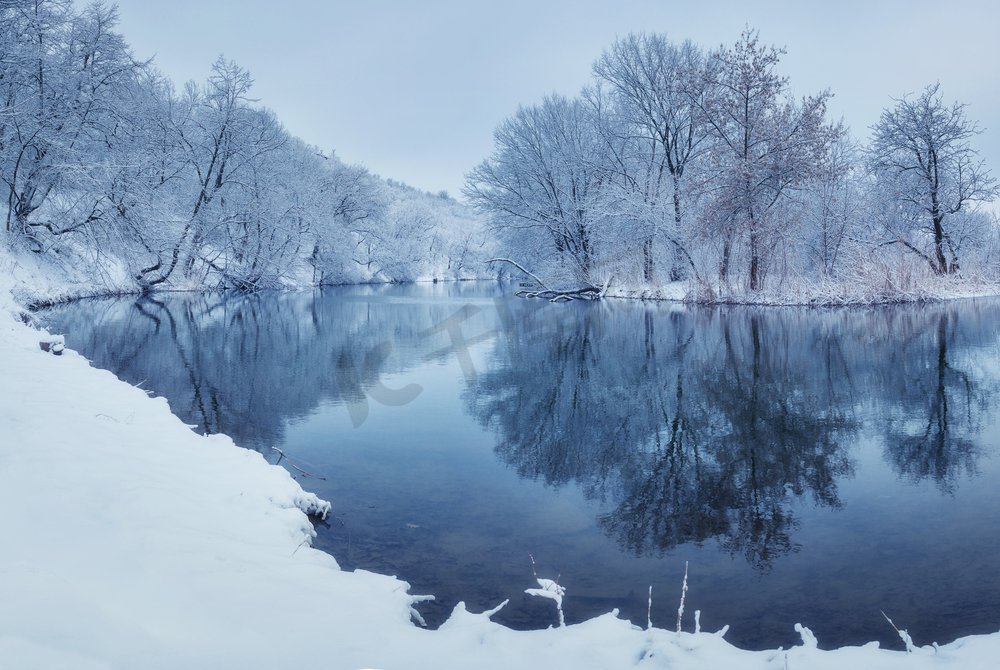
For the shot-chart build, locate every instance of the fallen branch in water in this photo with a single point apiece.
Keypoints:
(550, 294)
(586, 293)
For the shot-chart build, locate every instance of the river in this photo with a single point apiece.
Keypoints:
(808, 465)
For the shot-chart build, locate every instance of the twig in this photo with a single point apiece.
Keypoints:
(549, 589)
(414, 600)
(684, 590)
(283, 455)
(907, 640)
(649, 609)
(304, 541)
(519, 267)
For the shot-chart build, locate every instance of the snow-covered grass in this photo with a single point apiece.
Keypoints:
(131, 542)
(820, 293)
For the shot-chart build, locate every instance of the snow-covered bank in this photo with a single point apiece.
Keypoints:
(184, 551)
(36, 280)
(817, 294)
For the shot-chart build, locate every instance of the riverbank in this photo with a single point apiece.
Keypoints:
(817, 294)
(36, 282)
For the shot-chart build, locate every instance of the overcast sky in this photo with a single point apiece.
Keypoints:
(413, 90)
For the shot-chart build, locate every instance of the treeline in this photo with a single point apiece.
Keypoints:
(106, 167)
(681, 163)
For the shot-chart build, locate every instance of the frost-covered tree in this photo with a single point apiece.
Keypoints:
(63, 77)
(676, 158)
(831, 206)
(921, 154)
(351, 200)
(110, 172)
(223, 140)
(421, 236)
(541, 186)
(657, 90)
(766, 145)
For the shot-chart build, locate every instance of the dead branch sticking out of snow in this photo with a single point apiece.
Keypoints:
(684, 590)
(550, 589)
(904, 636)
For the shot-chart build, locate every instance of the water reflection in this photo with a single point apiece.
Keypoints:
(940, 402)
(688, 425)
(246, 365)
(700, 424)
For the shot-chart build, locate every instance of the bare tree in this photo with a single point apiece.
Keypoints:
(62, 75)
(106, 170)
(657, 87)
(222, 137)
(541, 183)
(766, 146)
(920, 149)
(832, 205)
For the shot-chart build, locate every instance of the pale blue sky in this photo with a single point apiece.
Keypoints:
(413, 90)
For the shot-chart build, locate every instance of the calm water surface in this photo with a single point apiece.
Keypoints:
(811, 466)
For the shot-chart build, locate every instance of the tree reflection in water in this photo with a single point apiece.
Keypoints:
(245, 365)
(689, 424)
(693, 424)
(940, 405)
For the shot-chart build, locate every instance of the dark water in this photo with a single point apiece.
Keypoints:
(811, 466)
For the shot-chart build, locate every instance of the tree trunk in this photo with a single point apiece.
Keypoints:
(724, 265)
(647, 260)
(942, 264)
(754, 253)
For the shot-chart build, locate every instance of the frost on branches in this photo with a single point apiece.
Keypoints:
(698, 168)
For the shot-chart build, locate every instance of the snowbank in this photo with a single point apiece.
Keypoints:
(816, 293)
(131, 542)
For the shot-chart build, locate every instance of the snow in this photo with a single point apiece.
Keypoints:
(129, 541)
(552, 591)
(816, 293)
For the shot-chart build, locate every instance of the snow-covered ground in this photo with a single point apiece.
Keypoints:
(128, 541)
(817, 293)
